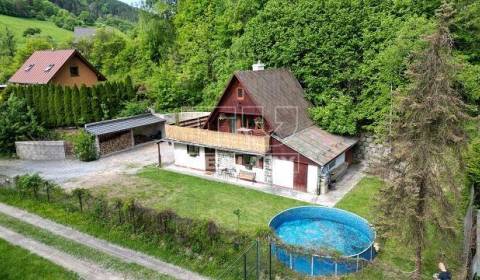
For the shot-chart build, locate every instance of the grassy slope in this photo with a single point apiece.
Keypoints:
(199, 198)
(394, 256)
(18, 25)
(17, 263)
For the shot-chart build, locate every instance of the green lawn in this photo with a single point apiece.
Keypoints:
(18, 263)
(198, 198)
(395, 258)
(18, 25)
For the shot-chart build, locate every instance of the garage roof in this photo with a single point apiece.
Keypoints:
(118, 125)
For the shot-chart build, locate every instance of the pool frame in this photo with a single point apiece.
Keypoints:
(323, 265)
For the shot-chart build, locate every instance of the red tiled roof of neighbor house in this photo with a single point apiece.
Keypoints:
(42, 66)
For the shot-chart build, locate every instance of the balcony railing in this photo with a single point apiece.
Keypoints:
(215, 139)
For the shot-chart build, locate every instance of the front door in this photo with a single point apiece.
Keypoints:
(300, 171)
(210, 159)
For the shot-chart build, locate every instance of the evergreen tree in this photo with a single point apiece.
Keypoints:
(129, 89)
(67, 106)
(43, 90)
(20, 92)
(76, 111)
(52, 115)
(85, 104)
(36, 101)
(29, 96)
(96, 104)
(427, 138)
(59, 106)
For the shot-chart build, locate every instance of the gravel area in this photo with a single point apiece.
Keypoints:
(74, 173)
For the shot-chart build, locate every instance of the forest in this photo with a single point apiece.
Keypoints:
(350, 56)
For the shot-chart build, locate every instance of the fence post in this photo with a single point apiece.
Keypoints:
(258, 260)
(245, 266)
(270, 260)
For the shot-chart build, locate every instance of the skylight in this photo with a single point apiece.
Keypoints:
(48, 68)
(29, 67)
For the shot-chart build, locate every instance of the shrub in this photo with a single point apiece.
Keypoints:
(133, 108)
(30, 184)
(31, 31)
(84, 147)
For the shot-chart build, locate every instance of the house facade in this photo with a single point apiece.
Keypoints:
(260, 131)
(58, 67)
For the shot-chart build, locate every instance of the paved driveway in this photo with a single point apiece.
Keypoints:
(74, 173)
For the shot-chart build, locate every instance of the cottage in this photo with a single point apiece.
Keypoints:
(125, 133)
(260, 131)
(60, 67)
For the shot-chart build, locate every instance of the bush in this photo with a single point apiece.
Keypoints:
(133, 108)
(30, 184)
(84, 147)
(31, 31)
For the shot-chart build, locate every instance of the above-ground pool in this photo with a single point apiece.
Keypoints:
(322, 241)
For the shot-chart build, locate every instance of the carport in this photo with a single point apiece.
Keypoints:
(122, 134)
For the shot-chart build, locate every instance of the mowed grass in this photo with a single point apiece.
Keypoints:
(18, 25)
(18, 263)
(395, 260)
(199, 198)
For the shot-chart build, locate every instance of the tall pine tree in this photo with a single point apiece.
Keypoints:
(52, 115)
(85, 104)
(77, 112)
(427, 137)
(96, 104)
(59, 106)
(43, 90)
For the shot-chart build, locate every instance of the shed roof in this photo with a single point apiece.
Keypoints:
(42, 66)
(318, 145)
(281, 96)
(117, 125)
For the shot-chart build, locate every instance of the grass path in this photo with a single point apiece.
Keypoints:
(84, 269)
(127, 255)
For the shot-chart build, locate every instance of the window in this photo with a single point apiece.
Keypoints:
(240, 93)
(48, 68)
(249, 161)
(29, 67)
(193, 151)
(74, 71)
(248, 122)
(332, 164)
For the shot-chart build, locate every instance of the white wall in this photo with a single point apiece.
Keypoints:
(282, 172)
(312, 179)
(339, 160)
(182, 158)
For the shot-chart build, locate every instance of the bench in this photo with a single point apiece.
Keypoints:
(245, 175)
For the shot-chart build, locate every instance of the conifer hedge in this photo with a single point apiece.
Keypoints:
(57, 106)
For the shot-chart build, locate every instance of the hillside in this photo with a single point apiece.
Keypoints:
(18, 25)
(99, 8)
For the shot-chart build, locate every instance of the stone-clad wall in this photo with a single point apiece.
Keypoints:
(370, 150)
(40, 150)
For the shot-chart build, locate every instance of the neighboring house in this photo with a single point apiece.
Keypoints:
(83, 33)
(260, 130)
(2, 87)
(125, 133)
(60, 67)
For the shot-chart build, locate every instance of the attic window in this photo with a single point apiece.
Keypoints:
(29, 67)
(74, 71)
(240, 93)
(48, 68)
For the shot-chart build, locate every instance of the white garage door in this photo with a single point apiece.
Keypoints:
(282, 172)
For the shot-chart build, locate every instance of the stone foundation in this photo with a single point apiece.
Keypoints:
(370, 150)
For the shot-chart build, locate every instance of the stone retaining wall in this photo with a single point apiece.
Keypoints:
(40, 150)
(370, 150)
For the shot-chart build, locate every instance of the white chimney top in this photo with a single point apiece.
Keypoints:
(259, 66)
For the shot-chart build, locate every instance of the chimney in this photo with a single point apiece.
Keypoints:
(259, 66)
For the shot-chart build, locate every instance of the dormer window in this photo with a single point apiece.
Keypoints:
(240, 93)
(29, 67)
(48, 68)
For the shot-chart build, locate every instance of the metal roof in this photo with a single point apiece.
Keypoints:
(117, 125)
(42, 66)
(318, 145)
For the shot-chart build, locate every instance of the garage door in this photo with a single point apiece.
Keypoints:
(282, 172)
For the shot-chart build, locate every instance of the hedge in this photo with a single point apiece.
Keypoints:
(57, 106)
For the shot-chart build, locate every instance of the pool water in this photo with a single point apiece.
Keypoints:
(323, 234)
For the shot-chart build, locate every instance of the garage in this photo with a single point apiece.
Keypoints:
(122, 134)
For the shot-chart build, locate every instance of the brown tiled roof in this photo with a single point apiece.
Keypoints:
(41, 60)
(281, 96)
(318, 145)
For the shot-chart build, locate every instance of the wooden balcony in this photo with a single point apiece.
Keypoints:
(220, 140)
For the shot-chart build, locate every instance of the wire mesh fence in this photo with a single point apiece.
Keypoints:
(265, 260)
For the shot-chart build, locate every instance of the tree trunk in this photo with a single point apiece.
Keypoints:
(420, 230)
(417, 275)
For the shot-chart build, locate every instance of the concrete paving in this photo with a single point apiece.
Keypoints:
(354, 174)
(124, 254)
(84, 269)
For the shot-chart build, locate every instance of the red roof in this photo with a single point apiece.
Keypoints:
(42, 66)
